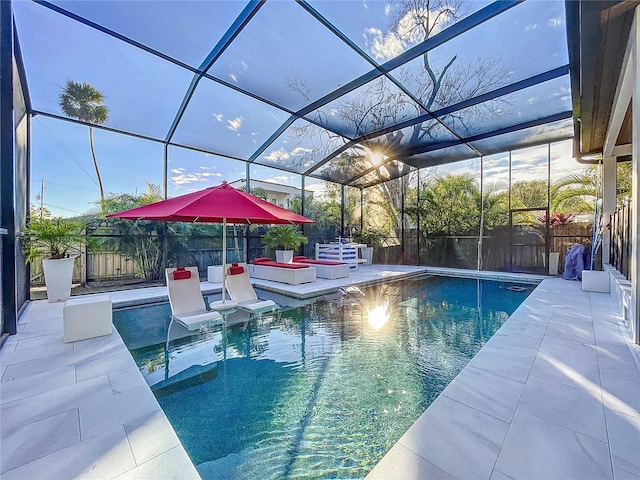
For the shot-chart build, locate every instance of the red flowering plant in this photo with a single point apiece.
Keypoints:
(557, 219)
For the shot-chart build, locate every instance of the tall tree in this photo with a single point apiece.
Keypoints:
(449, 205)
(437, 82)
(84, 102)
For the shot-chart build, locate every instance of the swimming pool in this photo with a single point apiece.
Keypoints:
(319, 391)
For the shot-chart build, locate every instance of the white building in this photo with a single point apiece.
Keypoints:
(281, 195)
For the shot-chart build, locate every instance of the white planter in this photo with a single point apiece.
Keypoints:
(367, 254)
(284, 256)
(57, 276)
(554, 260)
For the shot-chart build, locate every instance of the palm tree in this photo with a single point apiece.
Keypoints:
(84, 102)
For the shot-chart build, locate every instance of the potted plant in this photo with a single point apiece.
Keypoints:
(53, 238)
(285, 239)
(371, 238)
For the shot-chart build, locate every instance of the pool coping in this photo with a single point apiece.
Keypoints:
(101, 363)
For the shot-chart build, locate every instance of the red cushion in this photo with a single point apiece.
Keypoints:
(292, 266)
(318, 262)
(300, 258)
(181, 274)
(262, 259)
(236, 270)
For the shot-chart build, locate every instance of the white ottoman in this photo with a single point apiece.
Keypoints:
(87, 317)
(214, 274)
(595, 281)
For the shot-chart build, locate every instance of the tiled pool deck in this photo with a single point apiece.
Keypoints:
(555, 394)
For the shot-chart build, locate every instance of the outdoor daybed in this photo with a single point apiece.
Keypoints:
(325, 268)
(291, 273)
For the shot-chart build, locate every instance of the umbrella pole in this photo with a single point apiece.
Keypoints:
(223, 304)
(224, 259)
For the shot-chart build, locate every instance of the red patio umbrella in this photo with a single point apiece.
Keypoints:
(222, 204)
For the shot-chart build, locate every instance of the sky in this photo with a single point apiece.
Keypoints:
(144, 92)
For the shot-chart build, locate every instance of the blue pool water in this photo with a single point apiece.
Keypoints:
(319, 391)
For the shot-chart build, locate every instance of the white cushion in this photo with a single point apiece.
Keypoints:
(194, 320)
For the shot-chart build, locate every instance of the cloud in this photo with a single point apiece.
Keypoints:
(281, 179)
(282, 156)
(234, 124)
(217, 116)
(530, 28)
(277, 156)
(183, 180)
(383, 47)
(407, 25)
(555, 22)
(301, 151)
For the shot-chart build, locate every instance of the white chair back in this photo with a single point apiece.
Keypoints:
(239, 285)
(183, 287)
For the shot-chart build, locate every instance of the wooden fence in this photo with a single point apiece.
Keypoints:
(454, 251)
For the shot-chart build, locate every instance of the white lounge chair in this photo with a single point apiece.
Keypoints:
(185, 297)
(241, 291)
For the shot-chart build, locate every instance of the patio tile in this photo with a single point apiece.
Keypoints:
(39, 383)
(537, 449)
(36, 407)
(571, 329)
(457, 439)
(608, 332)
(526, 327)
(44, 325)
(622, 395)
(11, 356)
(622, 475)
(498, 357)
(565, 313)
(624, 441)
(37, 365)
(497, 475)
(126, 379)
(615, 360)
(150, 436)
(489, 393)
(172, 465)
(103, 365)
(101, 457)
(34, 440)
(516, 344)
(401, 463)
(38, 340)
(567, 361)
(578, 409)
(116, 409)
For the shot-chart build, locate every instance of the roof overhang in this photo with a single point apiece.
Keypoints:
(598, 34)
